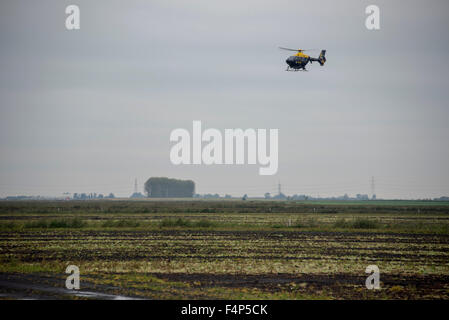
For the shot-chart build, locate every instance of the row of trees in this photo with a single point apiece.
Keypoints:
(88, 196)
(161, 187)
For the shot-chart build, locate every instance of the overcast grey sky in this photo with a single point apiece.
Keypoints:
(92, 109)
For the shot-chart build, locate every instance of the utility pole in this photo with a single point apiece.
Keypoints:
(373, 189)
(135, 185)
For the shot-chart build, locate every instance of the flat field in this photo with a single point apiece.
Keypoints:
(159, 249)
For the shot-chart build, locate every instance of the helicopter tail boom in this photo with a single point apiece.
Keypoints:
(321, 59)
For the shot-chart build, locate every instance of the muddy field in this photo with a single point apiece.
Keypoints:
(295, 254)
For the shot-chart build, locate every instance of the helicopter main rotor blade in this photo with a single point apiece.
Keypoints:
(296, 50)
(288, 49)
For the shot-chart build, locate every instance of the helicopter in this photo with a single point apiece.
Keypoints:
(299, 61)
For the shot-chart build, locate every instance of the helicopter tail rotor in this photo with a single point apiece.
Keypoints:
(322, 58)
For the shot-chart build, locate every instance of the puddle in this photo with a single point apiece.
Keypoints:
(43, 288)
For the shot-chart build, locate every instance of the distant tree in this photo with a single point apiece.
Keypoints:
(267, 195)
(161, 187)
(137, 195)
(245, 197)
(280, 196)
(111, 196)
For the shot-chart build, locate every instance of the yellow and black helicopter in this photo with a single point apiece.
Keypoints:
(299, 61)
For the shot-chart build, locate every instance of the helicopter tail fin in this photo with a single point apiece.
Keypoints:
(322, 58)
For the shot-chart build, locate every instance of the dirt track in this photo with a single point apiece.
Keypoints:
(44, 287)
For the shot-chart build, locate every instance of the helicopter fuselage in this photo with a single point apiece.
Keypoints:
(298, 62)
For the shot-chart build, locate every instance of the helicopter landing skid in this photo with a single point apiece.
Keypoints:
(295, 70)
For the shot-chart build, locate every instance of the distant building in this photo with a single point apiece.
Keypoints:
(362, 197)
